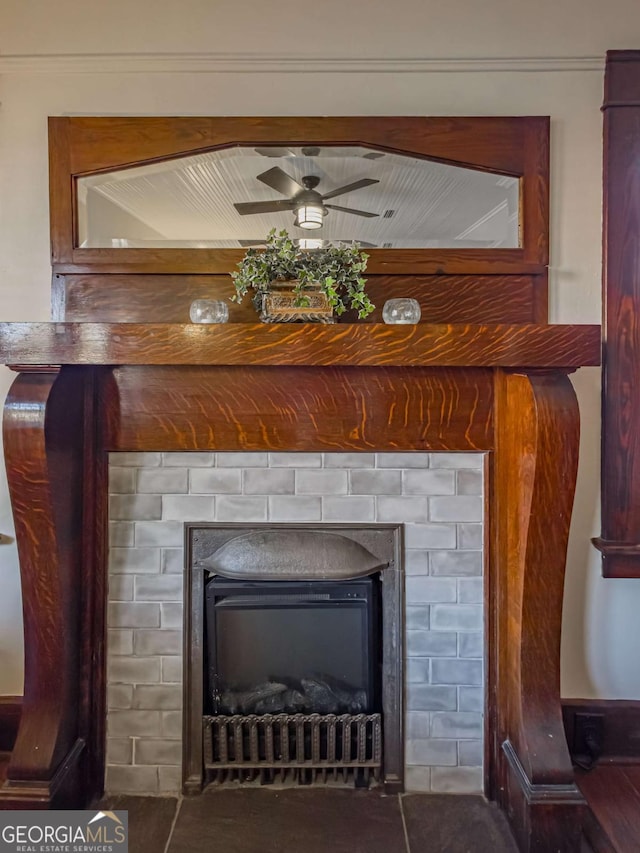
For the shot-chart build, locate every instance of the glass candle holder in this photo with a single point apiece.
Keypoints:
(209, 311)
(401, 311)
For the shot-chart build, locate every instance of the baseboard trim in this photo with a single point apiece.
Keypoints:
(621, 727)
(10, 713)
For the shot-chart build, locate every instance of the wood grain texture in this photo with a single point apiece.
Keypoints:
(613, 794)
(508, 145)
(99, 143)
(535, 195)
(596, 839)
(296, 409)
(300, 344)
(112, 298)
(543, 817)
(537, 432)
(620, 538)
(224, 261)
(43, 438)
(61, 188)
(95, 500)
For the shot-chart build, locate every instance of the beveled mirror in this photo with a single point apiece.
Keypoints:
(232, 197)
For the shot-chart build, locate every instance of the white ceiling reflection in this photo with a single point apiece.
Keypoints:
(189, 202)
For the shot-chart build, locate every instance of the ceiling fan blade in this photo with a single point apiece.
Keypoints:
(351, 210)
(280, 182)
(272, 151)
(357, 185)
(247, 207)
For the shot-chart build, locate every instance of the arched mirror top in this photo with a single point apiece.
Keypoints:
(187, 195)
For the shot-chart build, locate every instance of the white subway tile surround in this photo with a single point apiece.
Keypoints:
(437, 496)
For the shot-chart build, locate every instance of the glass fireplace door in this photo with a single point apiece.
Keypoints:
(292, 647)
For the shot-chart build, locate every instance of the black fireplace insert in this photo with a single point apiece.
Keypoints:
(294, 647)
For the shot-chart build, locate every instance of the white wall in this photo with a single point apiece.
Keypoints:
(360, 28)
(600, 622)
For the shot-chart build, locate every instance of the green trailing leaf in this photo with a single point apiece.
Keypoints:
(336, 268)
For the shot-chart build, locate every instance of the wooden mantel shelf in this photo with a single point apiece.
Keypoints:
(507, 346)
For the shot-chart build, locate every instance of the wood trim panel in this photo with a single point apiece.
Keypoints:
(223, 261)
(102, 143)
(94, 584)
(515, 146)
(621, 722)
(540, 298)
(58, 297)
(620, 538)
(299, 409)
(61, 192)
(143, 298)
(535, 192)
(10, 712)
(307, 344)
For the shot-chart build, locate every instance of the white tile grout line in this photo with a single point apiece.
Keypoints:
(173, 825)
(404, 825)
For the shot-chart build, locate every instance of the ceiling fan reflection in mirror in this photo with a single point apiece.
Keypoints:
(311, 243)
(303, 198)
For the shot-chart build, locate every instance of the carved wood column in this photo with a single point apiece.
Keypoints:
(52, 475)
(620, 539)
(535, 466)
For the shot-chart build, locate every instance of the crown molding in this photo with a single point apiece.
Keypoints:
(230, 63)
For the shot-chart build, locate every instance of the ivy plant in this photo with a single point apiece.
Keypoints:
(337, 269)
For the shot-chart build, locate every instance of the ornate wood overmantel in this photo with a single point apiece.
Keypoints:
(86, 389)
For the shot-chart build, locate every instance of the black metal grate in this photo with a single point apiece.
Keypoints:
(302, 748)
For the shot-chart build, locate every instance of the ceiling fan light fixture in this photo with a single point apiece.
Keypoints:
(309, 216)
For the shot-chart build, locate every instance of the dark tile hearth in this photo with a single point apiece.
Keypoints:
(453, 824)
(150, 820)
(255, 821)
(319, 821)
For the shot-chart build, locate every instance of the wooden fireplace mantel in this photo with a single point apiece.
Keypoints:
(371, 345)
(87, 389)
